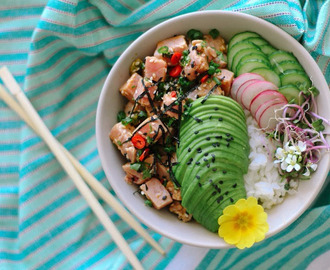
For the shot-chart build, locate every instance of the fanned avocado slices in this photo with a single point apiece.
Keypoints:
(212, 158)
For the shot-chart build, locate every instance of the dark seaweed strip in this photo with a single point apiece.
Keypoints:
(209, 93)
(146, 91)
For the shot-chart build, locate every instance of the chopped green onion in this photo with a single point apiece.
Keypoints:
(121, 116)
(135, 166)
(148, 203)
(194, 34)
(163, 50)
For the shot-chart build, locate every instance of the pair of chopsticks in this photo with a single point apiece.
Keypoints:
(75, 170)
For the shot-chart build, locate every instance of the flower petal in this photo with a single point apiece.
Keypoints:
(230, 233)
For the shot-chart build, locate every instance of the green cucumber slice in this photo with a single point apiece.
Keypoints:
(238, 47)
(291, 92)
(268, 74)
(257, 41)
(249, 65)
(286, 65)
(280, 56)
(295, 77)
(240, 37)
(238, 56)
(267, 49)
(258, 56)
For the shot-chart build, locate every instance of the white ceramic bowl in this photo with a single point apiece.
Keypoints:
(110, 102)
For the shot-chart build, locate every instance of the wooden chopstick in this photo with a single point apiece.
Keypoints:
(46, 135)
(87, 176)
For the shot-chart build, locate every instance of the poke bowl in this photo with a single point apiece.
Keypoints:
(228, 24)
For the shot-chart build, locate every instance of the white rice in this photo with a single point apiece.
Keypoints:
(263, 180)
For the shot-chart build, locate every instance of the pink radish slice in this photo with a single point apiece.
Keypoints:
(267, 119)
(263, 97)
(242, 87)
(264, 106)
(254, 89)
(237, 82)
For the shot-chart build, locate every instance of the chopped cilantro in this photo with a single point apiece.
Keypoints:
(148, 203)
(135, 166)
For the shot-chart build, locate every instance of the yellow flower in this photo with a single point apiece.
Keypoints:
(243, 223)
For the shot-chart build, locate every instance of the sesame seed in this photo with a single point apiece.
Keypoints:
(206, 154)
(216, 108)
(220, 182)
(189, 149)
(214, 193)
(205, 159)
(164, 197)
(196, 132)
(197, 163)
(198, 177)
(218, 137)
(208, 165)
(227, 134)
(214, 169)
(224, 172)
(235, 185)
(220, 119)
(231, 200)
(199, 184)
(208, 138)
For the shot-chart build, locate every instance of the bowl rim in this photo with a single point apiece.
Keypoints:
(127, 51)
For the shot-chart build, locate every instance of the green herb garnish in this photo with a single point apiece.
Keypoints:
(194, 34)
(214, 33)
(121, 116)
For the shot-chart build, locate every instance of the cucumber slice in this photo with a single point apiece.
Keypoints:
(251, 56)
(239, 55)
(295, 77)
(280, 56)
(268, 74)
(267, 49)
(238, 47)
(249, 65)
(240, 37)
(257, 41)
(287, 65)
(291, 93)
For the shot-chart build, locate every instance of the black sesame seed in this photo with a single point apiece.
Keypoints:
(198, 177)
(199, 150)
(231, 200)
(197, 163)
(226, 193)
(189, 149)
(224, 172)
(218, 144)
(218, 137)
(213, 157)
(214, 193)
(208, 165)
(228, 139)
(210, 180)
(146, 186)
(220, 182)
(196, 132)
(192, 64)
(206, 154)
(235, 185)
(205, 159)
(210, 117)
(196, 72)
(208, 138)
(198, 120)
(220, 199)
(227, 144)
(216, 108)
(199, 184)
(220, 119)
(164, 197)
(194, 47)
(214, 144)
(214, 169)
(227, 134)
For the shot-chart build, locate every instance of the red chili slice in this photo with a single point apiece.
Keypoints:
(138, 141)
(176, 58)
(175, 71)
(203, 80)
(173, 94)
(144, 154)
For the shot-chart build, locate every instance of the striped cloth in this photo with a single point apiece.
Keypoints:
(61, 52)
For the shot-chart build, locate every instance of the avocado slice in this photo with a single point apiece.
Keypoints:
(212, 158)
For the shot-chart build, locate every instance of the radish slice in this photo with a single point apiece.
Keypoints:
(264, 106)
(254, 89)
(237, 82)
(263, 97)
(267, 119)
(242, 88)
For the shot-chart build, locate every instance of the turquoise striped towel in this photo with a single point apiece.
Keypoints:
(61, 52)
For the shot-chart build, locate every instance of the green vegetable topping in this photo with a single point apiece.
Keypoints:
(214, 33)
(164, 50)
(194, 34)
(148, 203)
(121, 116)
(318, 126)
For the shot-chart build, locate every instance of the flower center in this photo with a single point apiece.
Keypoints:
(243, 220)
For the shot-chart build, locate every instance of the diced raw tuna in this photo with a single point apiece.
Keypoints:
(174, 44)
(216, 43)
(155, 69)
(144, 100)
(120, 136)
(204, 89)
(129, 88)
(156, 193)
(162, 172)
(198, 64)
(168, 99)
(226, 77)
(152, 127)
(133, 176)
